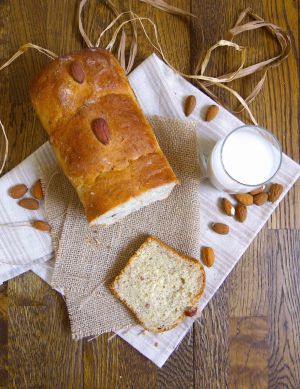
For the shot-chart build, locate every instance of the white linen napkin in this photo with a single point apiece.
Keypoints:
(161, 91)
(22, 245)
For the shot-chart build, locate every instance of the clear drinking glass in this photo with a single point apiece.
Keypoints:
(247, 158)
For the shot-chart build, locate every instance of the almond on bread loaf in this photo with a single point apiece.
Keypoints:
(100, 135)
(160, 286)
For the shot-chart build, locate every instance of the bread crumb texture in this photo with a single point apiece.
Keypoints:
(158, 285)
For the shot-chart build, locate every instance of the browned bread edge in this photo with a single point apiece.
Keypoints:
(183, 256)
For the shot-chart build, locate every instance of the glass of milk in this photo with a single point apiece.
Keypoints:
(247, 158)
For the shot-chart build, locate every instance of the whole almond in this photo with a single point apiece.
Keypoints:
(260, 198)
(228, 207)
(77, 72)
(220, 228)
(101, 130)
(275, 192)
(41, 225)
(257, 191)
(208, 256)
(244, 198)
(18, 191)
(37, 191)
(189, 105)
(241, 213)
(30, 203)
(212, 112)
(191, 311)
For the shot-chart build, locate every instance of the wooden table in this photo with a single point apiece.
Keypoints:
(248, 336)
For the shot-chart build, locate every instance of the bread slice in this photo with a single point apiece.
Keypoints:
(160, 285)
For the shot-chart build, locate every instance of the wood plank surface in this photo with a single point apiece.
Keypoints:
(248, 336)
(248, 355)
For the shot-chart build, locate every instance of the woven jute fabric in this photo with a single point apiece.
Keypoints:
(88, 258)
(58, 194)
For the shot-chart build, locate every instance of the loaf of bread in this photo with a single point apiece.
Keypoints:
(103, 142)
(160, 286)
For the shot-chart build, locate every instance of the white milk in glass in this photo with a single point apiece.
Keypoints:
(247, 158)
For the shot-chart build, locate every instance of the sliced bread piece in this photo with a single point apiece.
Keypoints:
(160, 285)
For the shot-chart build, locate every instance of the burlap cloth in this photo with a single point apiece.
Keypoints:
(88, 258)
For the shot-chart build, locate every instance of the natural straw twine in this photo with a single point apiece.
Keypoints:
(200, 78)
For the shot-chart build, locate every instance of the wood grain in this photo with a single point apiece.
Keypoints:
(40, 348)
(3, 336)
(248, 336)
(178, 372)
(211, 343)
(284, 295)
(100, 357)
(248, 352)
(248, 291)
(134, 371)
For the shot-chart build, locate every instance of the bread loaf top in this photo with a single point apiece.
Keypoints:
(57, 96)
(104, 175)
(67, 109)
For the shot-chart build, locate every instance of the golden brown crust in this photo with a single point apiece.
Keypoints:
(67, 110)
(183, 256)
(56, 96)
(129, 130)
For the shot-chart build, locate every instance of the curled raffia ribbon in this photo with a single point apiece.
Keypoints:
(199, 76)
